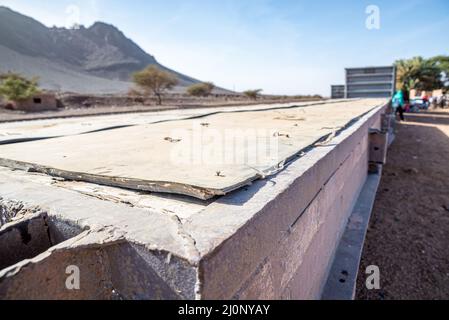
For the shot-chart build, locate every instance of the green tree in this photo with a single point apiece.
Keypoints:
(442, 62)
(14, 87)
(418, 73)
(253, 94)
(201, 89)
(153, 80)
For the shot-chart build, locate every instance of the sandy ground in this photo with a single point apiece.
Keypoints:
(408, 237)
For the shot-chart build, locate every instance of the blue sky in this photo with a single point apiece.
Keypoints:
(281, 46)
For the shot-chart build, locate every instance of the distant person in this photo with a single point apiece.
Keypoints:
(398, 103)
(426, 101)
(433, 102)
(407, 106)
(441, 102)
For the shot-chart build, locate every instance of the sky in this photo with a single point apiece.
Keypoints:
(281, 46)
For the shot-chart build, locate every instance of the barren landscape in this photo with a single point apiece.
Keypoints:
(408, 235)
(230, 150)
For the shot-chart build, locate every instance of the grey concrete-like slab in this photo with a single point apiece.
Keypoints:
(202, 158)
(22, 131)
(273, 239)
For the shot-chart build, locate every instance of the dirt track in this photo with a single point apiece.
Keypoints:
(408, 237)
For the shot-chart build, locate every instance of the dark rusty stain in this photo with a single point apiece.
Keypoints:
(24, 234)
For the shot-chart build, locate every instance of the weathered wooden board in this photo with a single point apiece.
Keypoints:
(202, 157)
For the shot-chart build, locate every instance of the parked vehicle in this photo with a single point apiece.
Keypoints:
(419, 103)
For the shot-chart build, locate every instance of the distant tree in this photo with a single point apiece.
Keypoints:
(442, 62)
(134, 93)
(153, 80)
(75, 26)
(309, 97)
(201, 89)
(418, 73)
(253, 94)
(210, 86)
(14, 87)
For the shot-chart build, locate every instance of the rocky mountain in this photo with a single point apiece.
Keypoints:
(98, 59)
